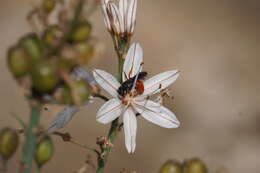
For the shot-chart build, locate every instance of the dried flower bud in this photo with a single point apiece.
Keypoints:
(44, 77)
(18, 61)
(48, 5)
(32, 45)
(44, 151)
(9, 141)
(52, 36)
(194, 166)
(171, 166)
(81, 32)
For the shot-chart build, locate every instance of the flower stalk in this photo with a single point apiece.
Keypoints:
(30, 141)
(114, 128)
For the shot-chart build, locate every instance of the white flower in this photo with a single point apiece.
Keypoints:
(133, 102)
(119, 19)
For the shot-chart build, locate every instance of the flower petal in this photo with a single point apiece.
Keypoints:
(133, 61)
(130, 128)
(123, 6)
(110, 111)
(105, 15)
(160, 82)
(157, 114)
(106, 81)
(118, 23)
(131, 16)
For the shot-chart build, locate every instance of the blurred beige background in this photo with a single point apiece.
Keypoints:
(215, 44)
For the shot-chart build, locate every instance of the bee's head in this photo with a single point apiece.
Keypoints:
(142, 75)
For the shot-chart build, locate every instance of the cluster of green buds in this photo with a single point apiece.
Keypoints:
(43, 62)
(193, 165)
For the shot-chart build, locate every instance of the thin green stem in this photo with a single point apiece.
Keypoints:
(85, 147)
(66, 137)
(30, 141)
(102, 160)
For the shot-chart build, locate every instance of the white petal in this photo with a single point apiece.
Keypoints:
(105, 15)
(131, 16)
(123, 10)
(130, 128)
(106, 81)
(133, 61)
(160, 82)
(110, 111)
(118, 23)
(62, 119)
(157, 114)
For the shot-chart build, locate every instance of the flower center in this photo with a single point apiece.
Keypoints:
(129, 97)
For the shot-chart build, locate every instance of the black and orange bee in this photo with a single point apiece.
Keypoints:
(129, 83)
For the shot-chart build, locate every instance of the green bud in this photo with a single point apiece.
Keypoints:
(67, 58)
(81, 32)
(66, 97)
(85, 53)
(9, 141)
(44, 76)
(18, 61)
(78, 93)
(44, 151)
(52, 36)
(81, 92)
(65, 64)
(194, 166)
(171, 166)
(48, 5)
(32, 45)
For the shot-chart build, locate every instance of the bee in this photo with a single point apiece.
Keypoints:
(127, 86)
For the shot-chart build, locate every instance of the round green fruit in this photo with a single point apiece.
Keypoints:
(44, 76)
(48, 5)
(18, 61)
(81, 32)
(9, 141)
(32, 45)
(65, 64)
(85, 53)
(171, 166)
(194, 166)
(44, 151)
(81, 92)
(78, 93)
(66, 97)
(52, 36)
